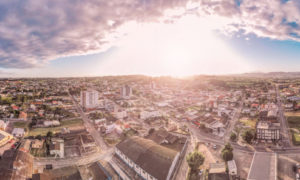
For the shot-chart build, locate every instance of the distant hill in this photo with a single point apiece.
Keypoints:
(272, 75)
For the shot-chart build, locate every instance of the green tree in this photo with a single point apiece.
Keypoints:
(194, 160)
(227, 152)
(49, 134)
(227, 155)
(248, 136)
(227, 147)
(233, 136)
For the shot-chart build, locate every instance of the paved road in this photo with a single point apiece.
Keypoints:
(235, 119)
(263, 166)
(284, 131)
(89, 126)
(206, 137)
(83, 160)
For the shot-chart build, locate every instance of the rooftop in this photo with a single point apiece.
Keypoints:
(147, 154)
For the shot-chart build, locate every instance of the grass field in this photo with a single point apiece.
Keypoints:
(44, 131)
(294, 125)
(248, 122)
(21, 124)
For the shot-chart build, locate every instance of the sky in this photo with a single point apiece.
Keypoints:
(72, 38)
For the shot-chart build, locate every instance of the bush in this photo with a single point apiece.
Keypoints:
(233, 137)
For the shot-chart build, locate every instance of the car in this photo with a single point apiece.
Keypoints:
(200, 172)
(214, 146)
(16, 145)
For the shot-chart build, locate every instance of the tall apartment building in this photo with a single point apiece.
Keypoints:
(126, 91)
(89, 99)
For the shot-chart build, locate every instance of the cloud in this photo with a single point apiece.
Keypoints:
(33, 32)
(275, 19)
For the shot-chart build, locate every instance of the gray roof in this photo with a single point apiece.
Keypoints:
(151, 157)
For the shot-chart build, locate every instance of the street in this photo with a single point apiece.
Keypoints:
(90, 127)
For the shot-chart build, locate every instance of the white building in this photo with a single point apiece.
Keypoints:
(51, 123)
(267, 131)
(126, 91)
(120, 114)
(232, 169)
(151, 114)
(57, 147)
(18, 132)
(89, 99)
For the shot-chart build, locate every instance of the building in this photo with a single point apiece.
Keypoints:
(4, 137)
(267, 131)
(3, 125)
(89, 99)
(57, 147)
(18, 132)
(126, 91)
(150, 114)
(16, 165)
(232, 169)
(23, 115)
(37, 144)
(149, 160)
(217, 171)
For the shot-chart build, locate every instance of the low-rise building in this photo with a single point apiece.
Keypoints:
(57, 147)
(37, 144)
(3, 125)
(18, 132)
(232, 169)
(4, 137)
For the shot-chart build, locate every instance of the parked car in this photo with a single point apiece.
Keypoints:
(214, 146)
(16, 145)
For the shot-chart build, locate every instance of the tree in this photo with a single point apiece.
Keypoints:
(151, 131)
(227, 155)
(228, 147)
(195, 160)
(233, 136)
(248, 136)
(49, 134)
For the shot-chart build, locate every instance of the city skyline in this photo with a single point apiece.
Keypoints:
(156, 38)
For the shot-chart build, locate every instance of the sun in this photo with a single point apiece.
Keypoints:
(187, 47)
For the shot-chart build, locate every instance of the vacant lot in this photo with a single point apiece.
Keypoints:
(248, 122)
(294, 124)
(292, 113)
(43, 131)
